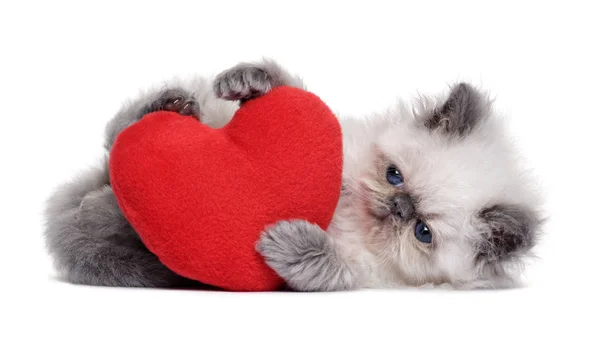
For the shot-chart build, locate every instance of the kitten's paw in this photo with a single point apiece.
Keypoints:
(300, 252)
(287, 242)
(100, 215)
(176, 100)
(243, 82)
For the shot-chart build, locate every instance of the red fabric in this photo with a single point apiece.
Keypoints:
(200, 197)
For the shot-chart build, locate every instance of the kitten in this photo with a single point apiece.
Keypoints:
(86, 233)
(432, 195)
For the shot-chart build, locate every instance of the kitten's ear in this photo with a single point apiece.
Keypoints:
(509, 231)
(460, 113)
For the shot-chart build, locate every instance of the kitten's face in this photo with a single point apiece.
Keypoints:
(442, 198)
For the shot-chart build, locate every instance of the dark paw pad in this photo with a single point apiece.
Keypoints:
(243, 82)
(176, 100)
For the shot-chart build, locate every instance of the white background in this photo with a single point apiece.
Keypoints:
(66, 68)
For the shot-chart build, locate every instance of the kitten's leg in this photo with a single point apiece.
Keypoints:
(250, 80)
(92, 243)
(87, 234)
(306, 257)
(99, 214)
(173, 99)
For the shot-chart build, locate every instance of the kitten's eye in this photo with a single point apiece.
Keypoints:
(422, 232)
(394, 177)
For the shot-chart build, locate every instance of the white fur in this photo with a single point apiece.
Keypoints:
(454, 180)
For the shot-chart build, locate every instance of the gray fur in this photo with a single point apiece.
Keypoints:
(510, 231)
(300, 252)
(175, 100)
(402, 206)
(460, 113)
(250, 80)
(87, 235)
(91, 241)
(165, 99)
(365, 246)
(305, 256)
(99, 214)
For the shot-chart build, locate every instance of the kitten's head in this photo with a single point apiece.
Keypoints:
(443, 197)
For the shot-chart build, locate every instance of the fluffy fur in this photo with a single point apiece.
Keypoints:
(461, 175)
(201, 197)
(87, 235)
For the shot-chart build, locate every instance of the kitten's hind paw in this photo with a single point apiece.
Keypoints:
(176, 100)
(99, 214)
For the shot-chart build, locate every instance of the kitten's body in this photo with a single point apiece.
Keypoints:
(459, 177)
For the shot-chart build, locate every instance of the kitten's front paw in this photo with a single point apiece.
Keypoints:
(243, 82)
(176, 100)
(300, 252)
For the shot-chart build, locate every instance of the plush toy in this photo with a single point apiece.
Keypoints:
(200, 197)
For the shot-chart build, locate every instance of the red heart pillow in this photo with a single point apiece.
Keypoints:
(200, 197)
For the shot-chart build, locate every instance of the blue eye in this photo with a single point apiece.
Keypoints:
(394, 177)
(422, 232)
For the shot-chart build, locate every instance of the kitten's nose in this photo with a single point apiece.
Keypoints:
(402, 206)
